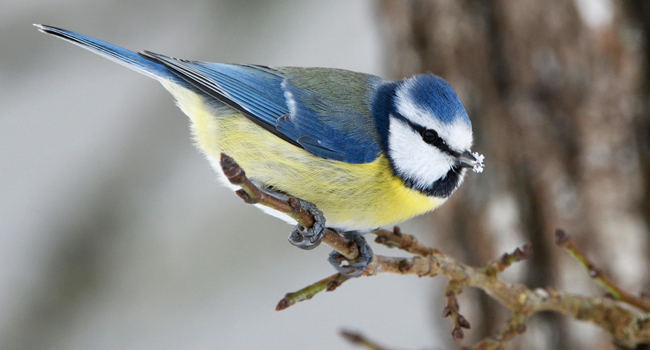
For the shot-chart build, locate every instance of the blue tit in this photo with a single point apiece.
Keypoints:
(365, 151)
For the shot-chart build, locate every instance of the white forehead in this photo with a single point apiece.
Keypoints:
(457, 134)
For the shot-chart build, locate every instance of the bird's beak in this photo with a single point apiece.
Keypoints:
(471, 160)
(466, 159)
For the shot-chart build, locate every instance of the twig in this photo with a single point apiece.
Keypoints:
(515, 325)
(564, 240)
(359, 339)
(628, 327)
(326, 284)
(251, 194)
(405, 242)
(508, 259)
(452, 309)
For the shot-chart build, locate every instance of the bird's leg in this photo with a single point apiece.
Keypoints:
(352, 268)
(309, 238)
(302, 237)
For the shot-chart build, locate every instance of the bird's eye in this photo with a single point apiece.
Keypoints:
(430, 136)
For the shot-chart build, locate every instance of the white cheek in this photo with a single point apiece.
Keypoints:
(458, 135)
(411, 156)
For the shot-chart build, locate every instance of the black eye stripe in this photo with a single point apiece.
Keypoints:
(429, 136)
(440, 143)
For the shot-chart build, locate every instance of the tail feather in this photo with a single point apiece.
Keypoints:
(125, 57)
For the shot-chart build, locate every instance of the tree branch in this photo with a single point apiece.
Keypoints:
(627, 327)
(564, 240)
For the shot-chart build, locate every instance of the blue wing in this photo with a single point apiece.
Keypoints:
(325, 111)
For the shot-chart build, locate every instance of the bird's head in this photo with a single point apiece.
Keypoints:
(428, 135)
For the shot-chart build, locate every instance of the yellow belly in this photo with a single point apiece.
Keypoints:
(351, 196)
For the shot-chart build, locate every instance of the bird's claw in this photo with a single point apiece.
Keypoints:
(352, 268)
(309, 238)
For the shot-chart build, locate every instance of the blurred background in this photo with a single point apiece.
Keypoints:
(116, 235)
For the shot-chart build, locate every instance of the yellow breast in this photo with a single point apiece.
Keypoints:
(351, 196)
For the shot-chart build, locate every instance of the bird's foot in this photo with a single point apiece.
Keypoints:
(352, 268)
(309, 238)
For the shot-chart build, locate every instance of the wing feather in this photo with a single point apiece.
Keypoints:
(325, 111)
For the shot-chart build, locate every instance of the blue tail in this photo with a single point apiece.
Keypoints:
(117, 54)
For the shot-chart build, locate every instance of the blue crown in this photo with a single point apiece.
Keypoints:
(434, 94)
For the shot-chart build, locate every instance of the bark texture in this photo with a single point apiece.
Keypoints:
(559, 104)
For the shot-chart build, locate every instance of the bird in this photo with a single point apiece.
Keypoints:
(359, 151)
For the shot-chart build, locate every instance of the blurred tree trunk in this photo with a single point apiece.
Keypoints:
(555, 94)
